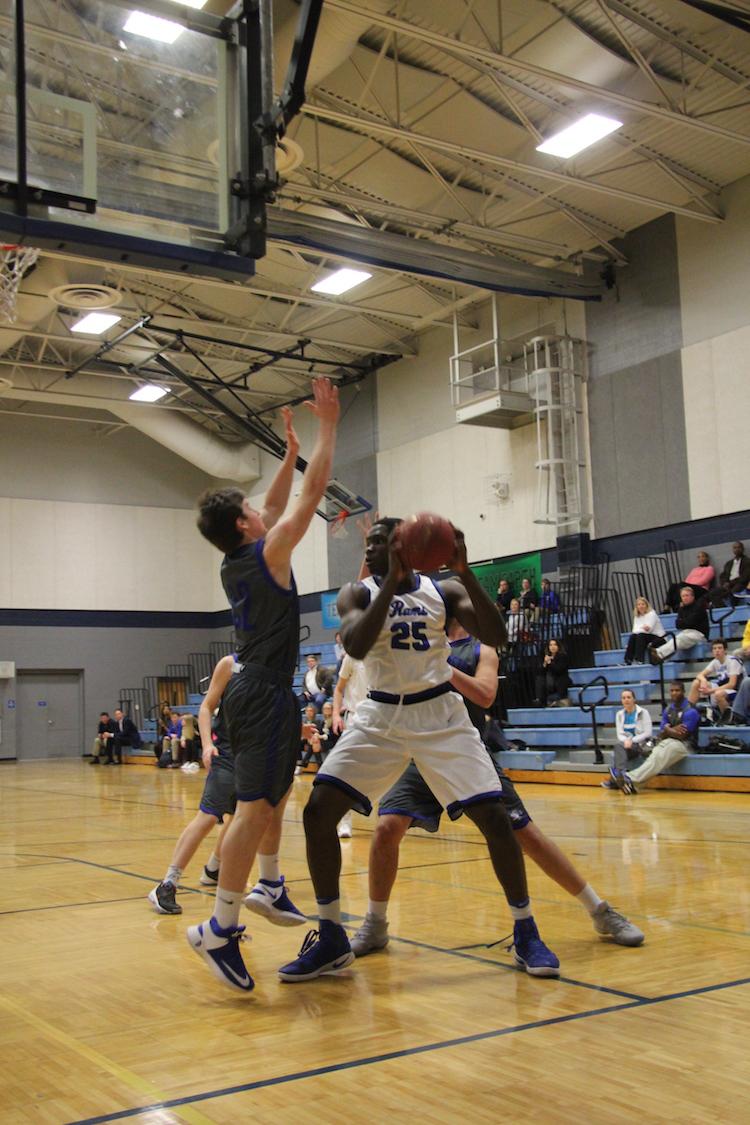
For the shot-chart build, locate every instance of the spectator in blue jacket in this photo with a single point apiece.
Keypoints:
(548, 599)
(679, 722)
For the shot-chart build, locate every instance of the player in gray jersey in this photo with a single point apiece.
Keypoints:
(261, 709)
(410, 803)
(395, 621)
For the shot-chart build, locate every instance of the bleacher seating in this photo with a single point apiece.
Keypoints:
(561, 738)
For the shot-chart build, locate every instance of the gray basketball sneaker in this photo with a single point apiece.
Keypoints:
(371, 936)
(609, 923)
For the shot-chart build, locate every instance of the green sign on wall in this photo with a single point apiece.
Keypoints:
(514, 569)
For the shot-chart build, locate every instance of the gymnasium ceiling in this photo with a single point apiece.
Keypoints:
(422, 121)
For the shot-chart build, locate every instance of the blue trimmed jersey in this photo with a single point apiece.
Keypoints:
(411, 652)
(265, 615)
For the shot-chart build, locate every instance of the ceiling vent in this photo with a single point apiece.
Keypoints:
(85, 296)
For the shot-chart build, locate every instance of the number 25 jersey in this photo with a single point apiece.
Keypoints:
(411, 652)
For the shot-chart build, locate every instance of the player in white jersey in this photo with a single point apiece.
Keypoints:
(395, 621)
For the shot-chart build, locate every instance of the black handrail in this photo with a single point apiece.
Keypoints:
(590, 709)
(719, 620)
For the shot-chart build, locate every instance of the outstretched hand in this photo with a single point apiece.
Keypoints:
(325, 401)
(292, 441)
(459, 562)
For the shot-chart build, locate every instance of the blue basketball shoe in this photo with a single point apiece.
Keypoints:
(326, 951)
(271, 901)
(530, 951)
(220, 949)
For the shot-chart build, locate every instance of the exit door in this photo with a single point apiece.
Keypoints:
(49, 708)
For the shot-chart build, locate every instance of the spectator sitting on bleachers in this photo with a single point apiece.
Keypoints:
(634, 729)
(648, 632)
(553, 682)
(170, 746)
(328, 734)
(691, 625)
(126, 734)
(718, 681)
(548, 599)
(679, 723)
(701, 578)
(310, 745)
(340, 651)
(105, 733)
(740, 714)
(317, 685)
(188, 750)
(528, 597)
(504, 595)
(734, 577)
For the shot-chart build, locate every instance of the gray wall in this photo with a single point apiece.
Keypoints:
(355, 464)
(41, 459)
(110, 658)
(636, 408)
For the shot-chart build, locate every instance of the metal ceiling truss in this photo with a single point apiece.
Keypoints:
(502, 62)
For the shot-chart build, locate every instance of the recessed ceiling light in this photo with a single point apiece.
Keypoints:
(580, 135)
(340, 281)
(150, 392)
(152, 27)
(95, 323)
(156, 28)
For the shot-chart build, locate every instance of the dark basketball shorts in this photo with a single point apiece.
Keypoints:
(263, 725)
(219, 797)
(411, 796)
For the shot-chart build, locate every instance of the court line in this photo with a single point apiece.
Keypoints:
(407, 1052)
(127, 1077)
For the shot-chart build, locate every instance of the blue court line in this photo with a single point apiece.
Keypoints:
(466, 956)
(407, 1052)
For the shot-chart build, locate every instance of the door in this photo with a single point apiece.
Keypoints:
(49, 715)
(172, 691)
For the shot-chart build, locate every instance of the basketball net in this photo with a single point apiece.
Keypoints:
(15, 262)
(337, 526)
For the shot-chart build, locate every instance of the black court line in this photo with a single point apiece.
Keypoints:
(408, 1052)
(69, 905)
(93, 797)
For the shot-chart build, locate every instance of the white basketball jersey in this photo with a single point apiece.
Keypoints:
(411, 653)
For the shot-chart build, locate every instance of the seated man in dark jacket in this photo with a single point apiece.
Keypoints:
(734, 577)
(126, 734)
(317, 685)
(105, 732)
(691, 627)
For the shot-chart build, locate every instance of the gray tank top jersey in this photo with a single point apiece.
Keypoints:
(265, 615)
(465, 656)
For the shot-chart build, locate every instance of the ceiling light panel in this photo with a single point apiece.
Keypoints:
(340, 282)
(95, 323)
(150, 392)
(578, 136)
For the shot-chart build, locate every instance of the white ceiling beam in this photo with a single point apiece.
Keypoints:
(441, 41)
(564, 179)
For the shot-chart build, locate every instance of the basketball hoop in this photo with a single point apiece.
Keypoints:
(15, 263)
(337, 526)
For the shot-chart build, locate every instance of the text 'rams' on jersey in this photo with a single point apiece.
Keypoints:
(411, 651)
(265, 615)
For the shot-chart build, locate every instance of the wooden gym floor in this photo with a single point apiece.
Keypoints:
(108, 1016)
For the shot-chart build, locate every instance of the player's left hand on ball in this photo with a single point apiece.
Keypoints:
(396, 566)
(459, 561)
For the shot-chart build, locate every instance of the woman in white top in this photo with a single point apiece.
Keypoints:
(634, 728)
(648, 632)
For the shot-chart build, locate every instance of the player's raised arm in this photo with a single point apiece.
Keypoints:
(468, 602)
(286, 534)
(277, 496)
(362, 618)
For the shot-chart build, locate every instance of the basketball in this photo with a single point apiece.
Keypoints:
(428, 540)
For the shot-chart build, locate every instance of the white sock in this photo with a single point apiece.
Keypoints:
(330, 911)
(588, 898)
(520, 911)
(227, 908)
(173, 874)
(212, 863)
(377, 909)
(269, 868)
